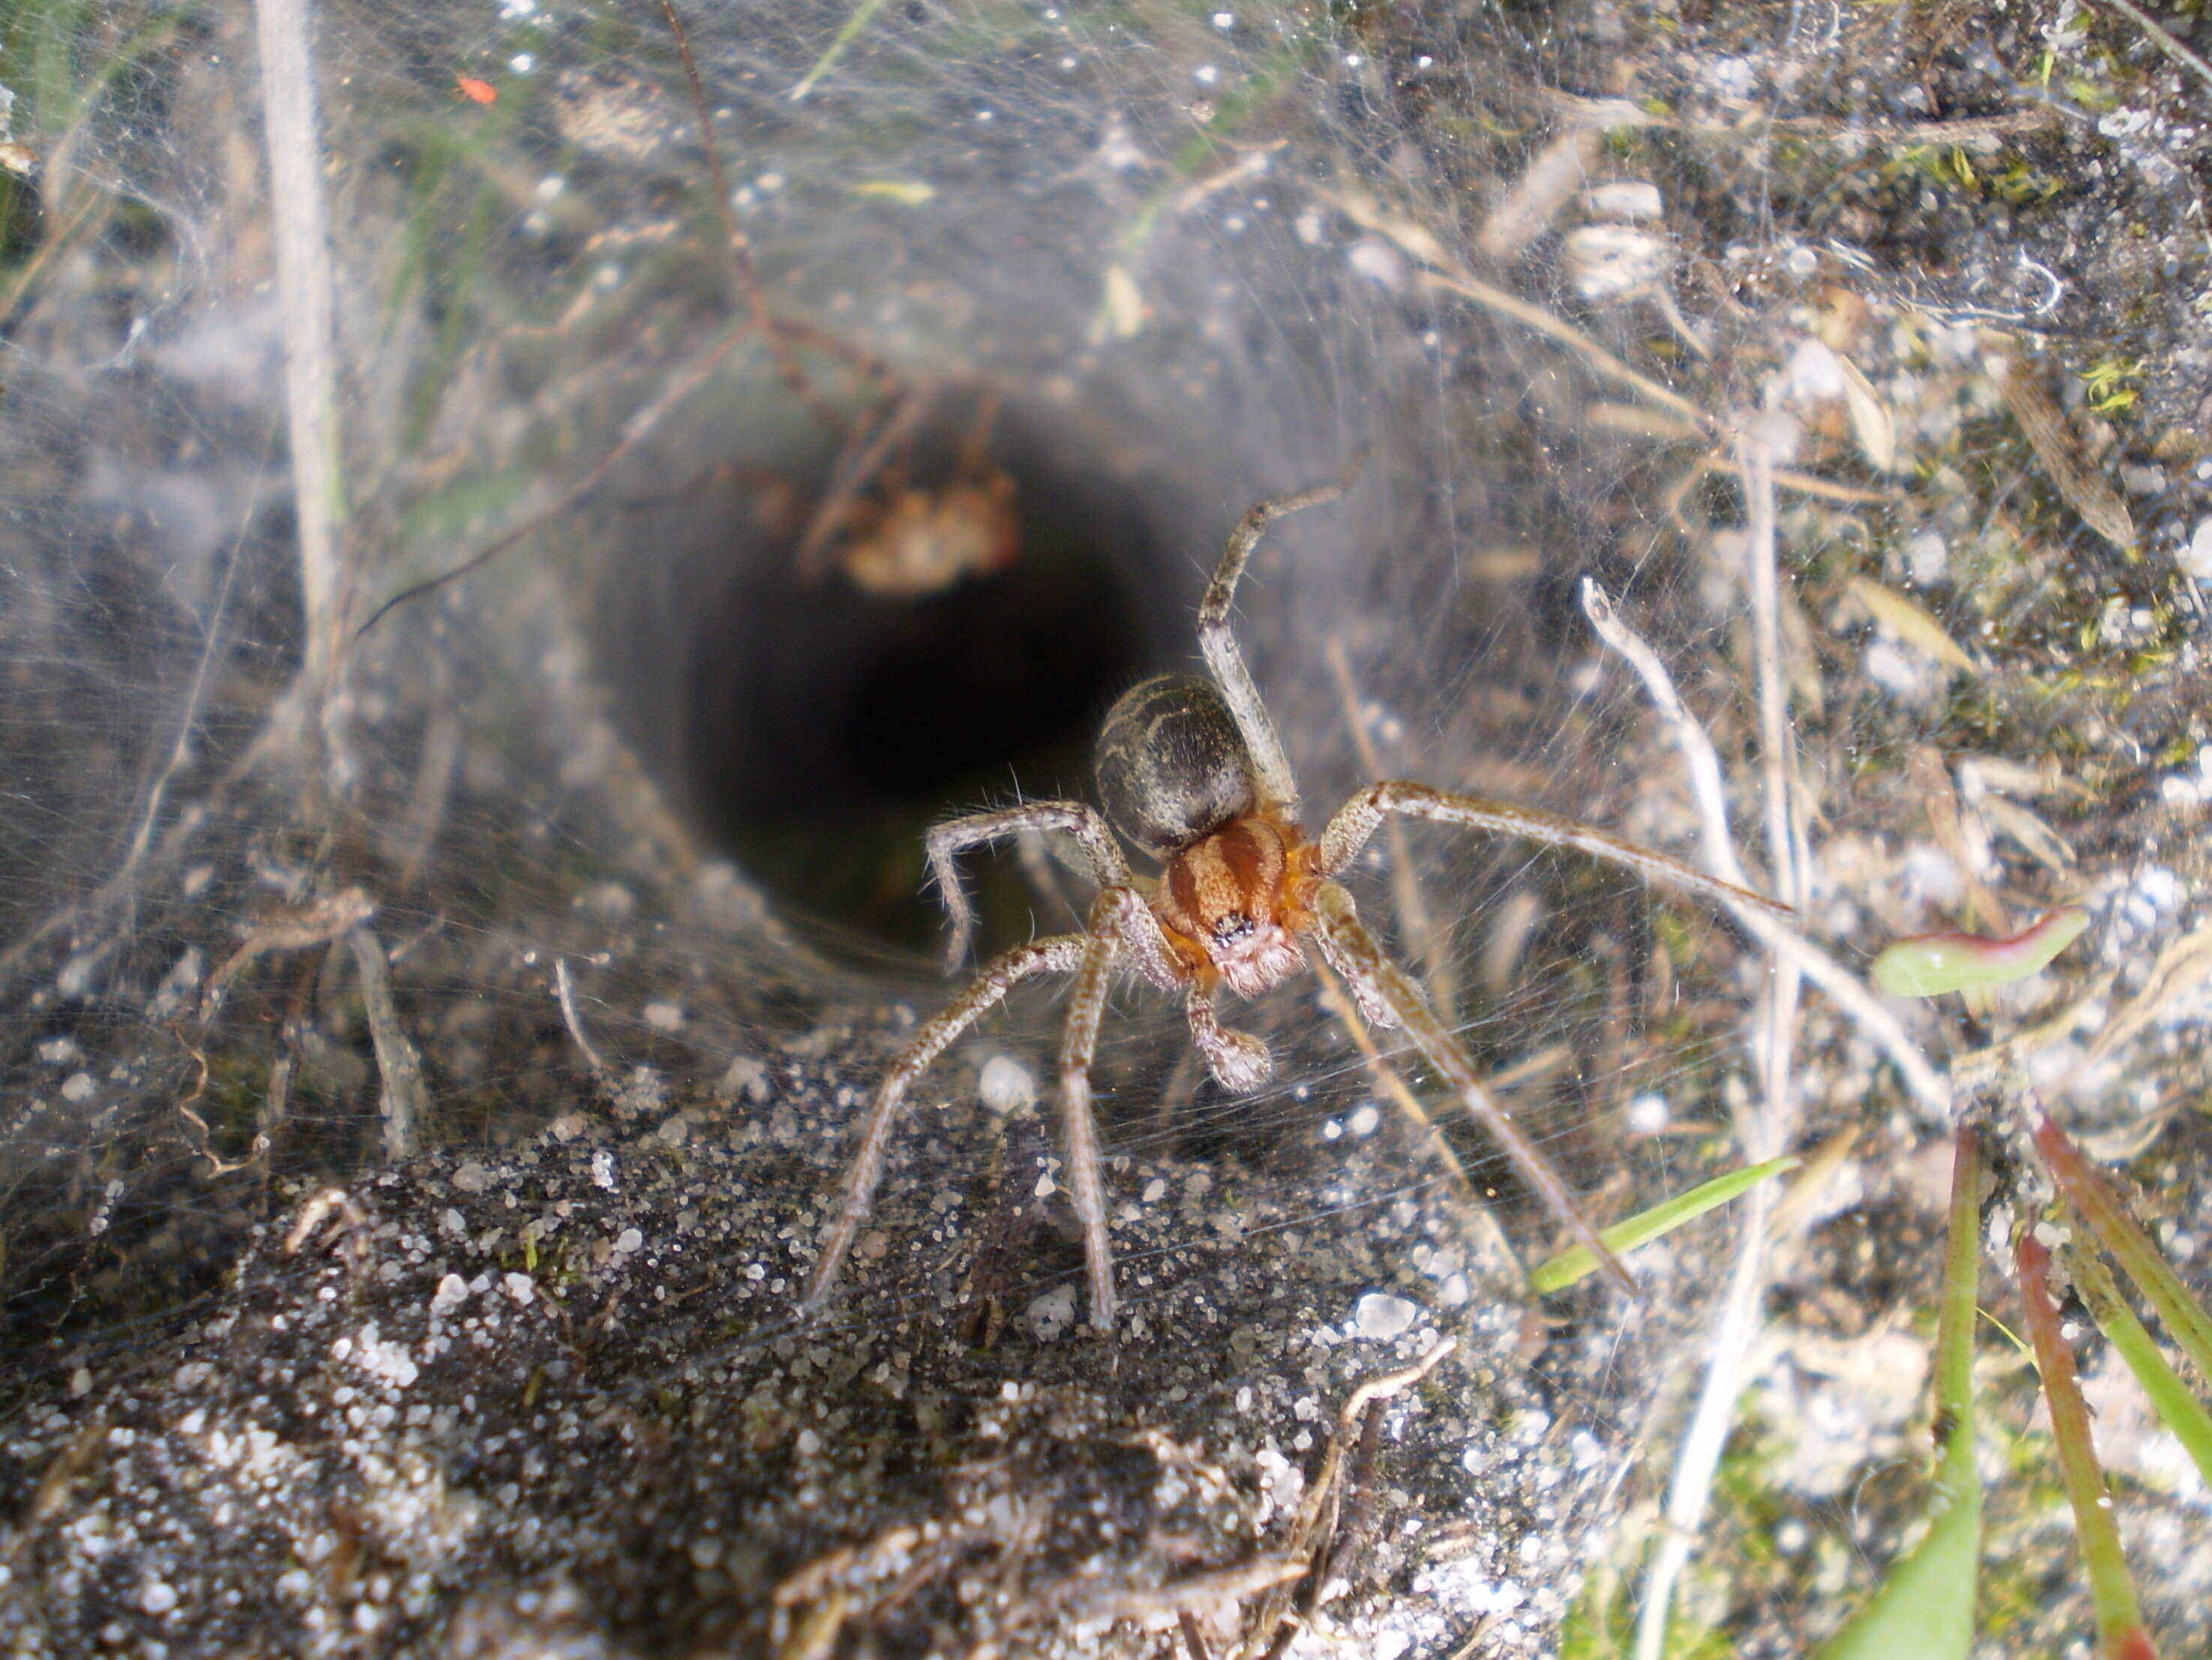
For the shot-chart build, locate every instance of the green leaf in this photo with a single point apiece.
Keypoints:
(2184, 1317)
(1929, 965)
(2177, 1408)
(1924, 1609)
(2120, 1633)
(1576, 1263)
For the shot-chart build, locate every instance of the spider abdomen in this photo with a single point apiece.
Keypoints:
(1171, 765)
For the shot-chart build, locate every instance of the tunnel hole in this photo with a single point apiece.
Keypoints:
(820, 728)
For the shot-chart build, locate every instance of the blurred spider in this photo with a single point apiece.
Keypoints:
(1191, 771)
(895, 540)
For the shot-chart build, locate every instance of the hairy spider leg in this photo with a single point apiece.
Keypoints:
(1110, 918)
(1060, 954)
(1108, 868)
(1279, 788)
(1356, 820)
(1357, 956)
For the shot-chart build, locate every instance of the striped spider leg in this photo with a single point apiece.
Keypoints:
(1120, 923)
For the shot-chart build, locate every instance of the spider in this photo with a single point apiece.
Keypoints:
(900, 542)
(1190, 771)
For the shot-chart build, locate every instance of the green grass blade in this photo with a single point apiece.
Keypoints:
(1924, 1607)
(2177, 1408)
(1557, 1272)
(844, 38)
(2136, 1252)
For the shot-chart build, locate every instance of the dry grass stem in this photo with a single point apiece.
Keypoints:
(1845, 989)
(404, 1102)
(564, 990)
(299, 222)
(1764, 1133)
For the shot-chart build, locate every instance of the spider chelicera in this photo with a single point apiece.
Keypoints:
(1190, 770)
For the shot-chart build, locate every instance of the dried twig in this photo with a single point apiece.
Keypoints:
(1844, 989)
(634, 431)
(316, 923)
(398, 1063)
(1444, 272)
(217, 1166)
(2162, 39)
(313, 1215)
(565, 991)
(300, 221)
(1766, 1132)
(1317, 1516)
(739, 247)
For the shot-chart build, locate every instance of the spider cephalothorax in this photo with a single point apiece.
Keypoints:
(1191, 772)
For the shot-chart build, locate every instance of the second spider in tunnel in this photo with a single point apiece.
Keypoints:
(1190, 771)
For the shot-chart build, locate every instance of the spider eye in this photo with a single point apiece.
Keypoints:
(1232, 927)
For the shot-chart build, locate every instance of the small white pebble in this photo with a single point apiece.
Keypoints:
(1380, 1316)
(1624, 199)
(1647, 1113)
(1052, 1314)
(1930, 555)
(629, 1240)
(1006, 1086)
(452, 1291)
(1378, 262)
(2196, 555)
(78, 1086)
(522, 1289)
(664, 1015)
(157, 1596)
(603, 1169)
(1366, 1118)
(747, 1077)
(1813, 372)
(79, 1383)
(809, 1444)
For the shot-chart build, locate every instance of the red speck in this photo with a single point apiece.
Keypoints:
(481, 92)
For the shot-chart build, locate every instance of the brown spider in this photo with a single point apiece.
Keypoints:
(897, 541)
(1191, 771)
